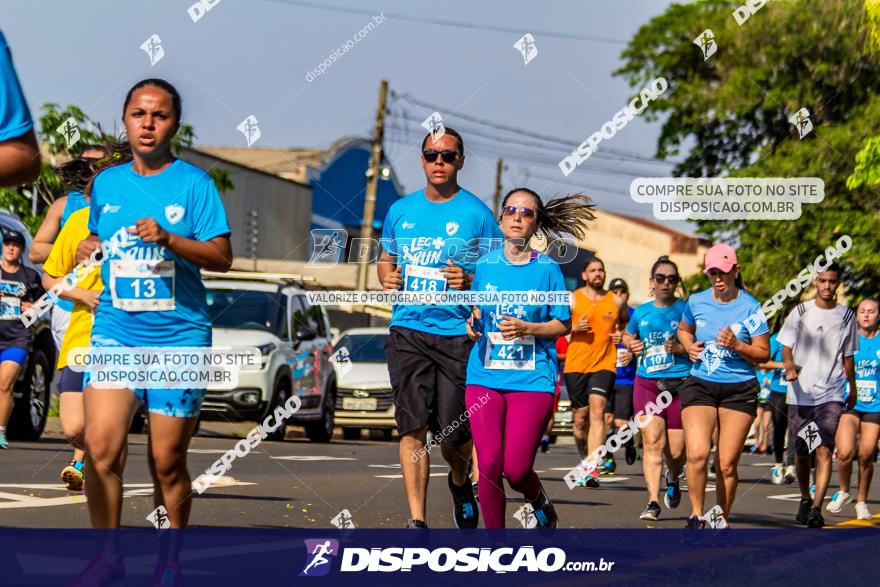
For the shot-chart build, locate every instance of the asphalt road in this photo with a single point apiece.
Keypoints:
(296, 483)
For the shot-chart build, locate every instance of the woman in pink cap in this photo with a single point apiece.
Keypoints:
(724, 332)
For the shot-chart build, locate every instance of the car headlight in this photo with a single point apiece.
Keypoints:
(267, 348)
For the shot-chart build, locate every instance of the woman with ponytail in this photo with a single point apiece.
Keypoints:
(512, 369)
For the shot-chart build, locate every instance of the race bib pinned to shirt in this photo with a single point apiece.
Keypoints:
(517, 353)
(657, 359)
(142, 286)
(867, 390)
(10, 308)
(421, 278)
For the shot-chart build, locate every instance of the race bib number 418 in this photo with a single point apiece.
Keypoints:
(420, 278)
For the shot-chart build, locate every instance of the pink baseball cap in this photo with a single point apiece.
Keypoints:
(721, 257)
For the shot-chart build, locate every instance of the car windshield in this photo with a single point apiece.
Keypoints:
(363, 348)
(257, 310)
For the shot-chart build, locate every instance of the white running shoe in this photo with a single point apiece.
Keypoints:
(777, 473)
(789, 476)
(862, 512)
(838, 500)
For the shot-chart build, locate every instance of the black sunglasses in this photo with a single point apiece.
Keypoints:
(512, 210)
(672, 279)
(430, 155)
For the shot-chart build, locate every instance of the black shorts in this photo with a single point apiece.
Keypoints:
(826, 417)
(582, 385)
(742, 397)
(621, 403)
(428, 374)
(70, 380)
(869, 417)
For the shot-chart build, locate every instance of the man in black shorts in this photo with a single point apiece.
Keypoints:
(429, 244)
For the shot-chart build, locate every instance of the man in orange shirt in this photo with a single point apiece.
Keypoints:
(590, 364)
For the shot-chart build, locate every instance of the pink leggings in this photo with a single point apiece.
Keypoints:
(506, 427)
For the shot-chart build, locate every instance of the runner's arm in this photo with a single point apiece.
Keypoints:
(213, 255)
(756, 351)
(19, 160)
(74, 294)
(788, 364)
(41, 246)
(771, 365)
(552, 329)
(388, 271)
(849, 366)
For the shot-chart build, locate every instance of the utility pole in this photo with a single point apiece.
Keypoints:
(497, 198)
(252, 238)
(372, 189)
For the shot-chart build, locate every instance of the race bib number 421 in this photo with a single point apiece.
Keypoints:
(518, 353)
(142, 286)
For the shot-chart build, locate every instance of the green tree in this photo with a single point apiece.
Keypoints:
(728, 115)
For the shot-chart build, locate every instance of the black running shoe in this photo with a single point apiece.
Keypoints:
(416, 525)
(545, 513)
(803, 513)
(465, 510)
(652, 512)
(630, 451)
(475, 487)
(815, 519)
(672, 497)
(545, 445)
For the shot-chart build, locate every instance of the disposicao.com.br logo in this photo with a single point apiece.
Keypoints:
(442, 560)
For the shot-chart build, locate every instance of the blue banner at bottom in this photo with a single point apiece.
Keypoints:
(243, 557)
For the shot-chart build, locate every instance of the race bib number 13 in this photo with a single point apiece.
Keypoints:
(142, 286)
(420, 278)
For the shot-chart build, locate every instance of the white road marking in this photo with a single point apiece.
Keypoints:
(401, 476)
(790, 497)
(18, 501)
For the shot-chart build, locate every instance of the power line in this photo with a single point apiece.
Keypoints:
(457, 24)
(519, 141)
(520, 131)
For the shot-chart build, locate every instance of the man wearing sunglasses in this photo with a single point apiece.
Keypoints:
(431, 240)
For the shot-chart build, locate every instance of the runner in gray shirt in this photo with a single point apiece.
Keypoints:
(819, 339)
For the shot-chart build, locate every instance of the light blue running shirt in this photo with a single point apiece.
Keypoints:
(721, 365)
(867, 359)
(655, 325)
(777, 382)
(424, 236)
(151, 296)
(15, 117)
(528, 363)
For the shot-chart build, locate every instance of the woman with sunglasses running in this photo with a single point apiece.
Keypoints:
(663, 367)
(175, 224)
(512, 369)
(725, 334)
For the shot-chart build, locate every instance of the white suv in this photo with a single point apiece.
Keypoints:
(271, 312)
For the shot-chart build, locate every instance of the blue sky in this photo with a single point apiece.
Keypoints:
(252, 57)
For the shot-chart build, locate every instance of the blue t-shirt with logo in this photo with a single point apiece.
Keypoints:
(867, 359)
(424, 236)
(151, 296)
(777, 381)
(722, 365)
(75, 201)
(625, 375)
(655, 325)
(527, 363)
(15, 117)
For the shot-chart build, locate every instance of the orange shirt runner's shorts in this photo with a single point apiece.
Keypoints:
(593, 351)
